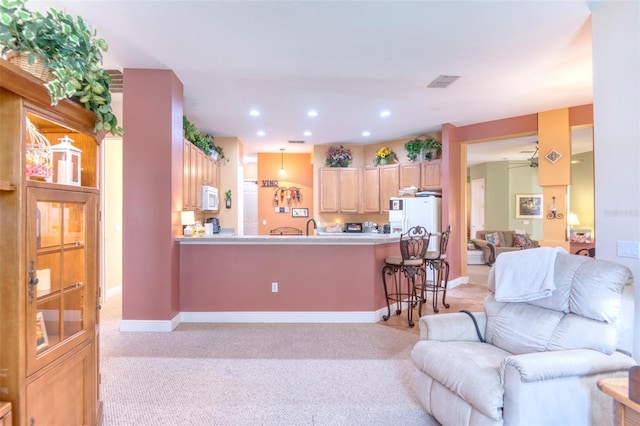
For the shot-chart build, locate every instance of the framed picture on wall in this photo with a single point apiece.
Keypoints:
(528, 206)
(297, 212)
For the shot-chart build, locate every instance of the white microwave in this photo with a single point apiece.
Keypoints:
(209, 198)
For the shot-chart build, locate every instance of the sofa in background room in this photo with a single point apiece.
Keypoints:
(493, 243)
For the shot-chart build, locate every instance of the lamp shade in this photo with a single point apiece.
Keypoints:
(572, 219)
(187, 218)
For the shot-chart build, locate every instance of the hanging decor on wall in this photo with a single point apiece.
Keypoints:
(290, 194)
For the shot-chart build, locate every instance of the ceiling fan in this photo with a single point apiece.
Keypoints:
(532, 161)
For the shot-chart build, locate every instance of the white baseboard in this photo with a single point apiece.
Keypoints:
(150, 325)
(280, 317)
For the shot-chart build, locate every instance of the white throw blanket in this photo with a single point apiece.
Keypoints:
(525, 275)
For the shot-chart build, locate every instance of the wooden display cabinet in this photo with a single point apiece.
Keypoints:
(49, 322)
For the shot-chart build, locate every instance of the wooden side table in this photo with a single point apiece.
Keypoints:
(626, 411)
(5, 414)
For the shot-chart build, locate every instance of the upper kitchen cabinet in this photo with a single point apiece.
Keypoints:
(425, 175)
(197, 169)
(339, 189)
(49, 209)
(431, 175)
(371, 190)
(410, 175)
(389, 185)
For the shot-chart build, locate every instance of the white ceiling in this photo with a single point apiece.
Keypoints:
(349, 60)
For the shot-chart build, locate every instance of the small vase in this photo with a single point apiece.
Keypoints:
(383, 161)
(228, 203)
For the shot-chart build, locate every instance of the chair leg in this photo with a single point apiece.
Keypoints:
(445, 265)
(436, 285)
(423, 288)
(385, 272)
(411, 285)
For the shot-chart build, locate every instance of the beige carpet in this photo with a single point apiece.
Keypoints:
(257, 374)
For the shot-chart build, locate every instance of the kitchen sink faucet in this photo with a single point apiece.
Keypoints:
(315, 226)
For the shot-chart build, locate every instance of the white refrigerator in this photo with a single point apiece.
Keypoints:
(405, 213)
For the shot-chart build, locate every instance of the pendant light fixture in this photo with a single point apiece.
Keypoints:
(282, 170)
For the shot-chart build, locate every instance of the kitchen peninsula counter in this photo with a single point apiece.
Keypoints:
(321, 239)
(321, 278)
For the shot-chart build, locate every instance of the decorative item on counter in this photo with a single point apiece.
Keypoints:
(66, 162)
(275, 197)
(187, 218)
(338, 156)
(227, 199)
(38, 156)
(385, 156)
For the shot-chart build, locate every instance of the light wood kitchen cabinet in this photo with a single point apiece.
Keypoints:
(49, 312)
(431, 175)
(339, 190)
(198, 169)
(410, 175)
(425, 175)
(371, 190)
(389, 185)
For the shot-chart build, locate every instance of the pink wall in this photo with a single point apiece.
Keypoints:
(220, 278)
(152, 163)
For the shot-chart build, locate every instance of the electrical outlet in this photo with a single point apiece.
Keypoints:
(274, 287)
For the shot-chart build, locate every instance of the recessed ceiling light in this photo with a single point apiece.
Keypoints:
(385, 113)
(254, 113)
(261, 133)
(312, 113)
(307, 133)
(366, 133)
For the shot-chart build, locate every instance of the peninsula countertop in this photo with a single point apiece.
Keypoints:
(359, 239)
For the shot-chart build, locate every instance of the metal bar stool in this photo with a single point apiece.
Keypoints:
(436, 262)
(409, 265)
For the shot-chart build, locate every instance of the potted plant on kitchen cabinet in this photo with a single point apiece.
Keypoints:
(68, 49)
(420, 148)
(415, 149)
(432, 148)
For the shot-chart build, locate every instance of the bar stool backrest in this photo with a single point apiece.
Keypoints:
(444, 241)
(414, 243)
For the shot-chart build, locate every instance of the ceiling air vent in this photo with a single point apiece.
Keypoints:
(443, 81)
(116, 85)
(296, 141)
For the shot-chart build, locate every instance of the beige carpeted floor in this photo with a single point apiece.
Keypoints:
(264, 374)
(257, 374)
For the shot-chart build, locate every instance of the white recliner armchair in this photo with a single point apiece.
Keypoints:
(542, 356)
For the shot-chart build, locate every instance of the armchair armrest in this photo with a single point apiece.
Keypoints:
(453, 326)
(488, 248)
(549, 365)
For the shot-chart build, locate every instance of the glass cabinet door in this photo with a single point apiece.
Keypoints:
(61, 270)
